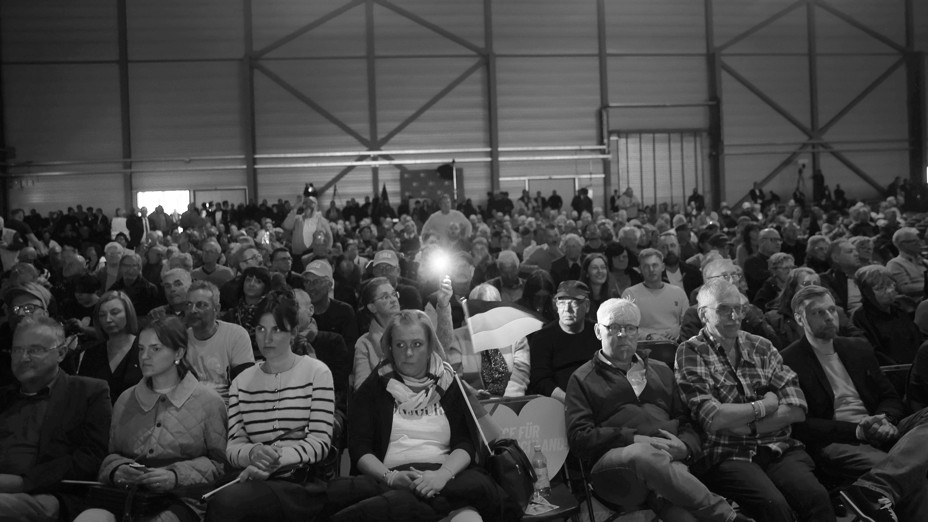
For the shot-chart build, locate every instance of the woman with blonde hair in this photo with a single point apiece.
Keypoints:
(114, 356)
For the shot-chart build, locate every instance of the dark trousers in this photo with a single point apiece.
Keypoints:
(276, 500)
(772, 488)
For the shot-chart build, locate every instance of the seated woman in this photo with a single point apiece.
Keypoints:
(280, 424)
(409, 436)
(538, 295)
(255, 284)
(780, 264)
(115, 357)
(379, 302)
(889, 328)
(594, 272)
(622, 273)
(169, 423)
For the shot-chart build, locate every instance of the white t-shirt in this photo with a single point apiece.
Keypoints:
(418, 436)
(213, 359)
(661, 310)
(848, 406)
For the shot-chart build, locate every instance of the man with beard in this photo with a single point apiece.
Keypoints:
(562, 346)
(854, 426)
(755, 266)
(625, 416)
(216, 350)
(662, 305)
(840, 278)
(676, 273)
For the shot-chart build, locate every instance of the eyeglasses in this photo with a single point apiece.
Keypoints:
(787, 268)
(26, 309)
(615, 329)
(731, 277)
(564, 302)
(394, 294)
(315, 282)
(33, 351)
(200, 305)
(729, 310)
(255, 257)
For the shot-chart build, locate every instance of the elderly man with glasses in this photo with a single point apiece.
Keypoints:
(53, 426)
(737, 388)
(624, 415)
(908, 268)
(561, 346)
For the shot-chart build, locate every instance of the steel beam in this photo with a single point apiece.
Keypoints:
(307, 28)
(855, 23)
(915, 99)
(248, 104)
(714, 89)
(812, 46)
(492, 102)
(371, 88)
(604, 98)
(124, 116)
(4, 150)
(764, 23)
(770, 101)
(432, 27)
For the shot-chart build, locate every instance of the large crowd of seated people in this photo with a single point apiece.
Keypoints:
(243, 347)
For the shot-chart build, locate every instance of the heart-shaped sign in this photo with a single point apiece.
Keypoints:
(540, 420)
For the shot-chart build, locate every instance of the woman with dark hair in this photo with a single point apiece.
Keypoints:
(281, 413)
(114, 355)
(538, 295)
(254, 286)
(168, 431)
(619, 267)
(379, 302)
(594, 272)
(889, 327)
(410, 438)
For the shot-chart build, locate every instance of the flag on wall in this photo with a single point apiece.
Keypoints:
(498, 325)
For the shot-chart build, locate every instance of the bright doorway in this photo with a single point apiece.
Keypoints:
(171, 200)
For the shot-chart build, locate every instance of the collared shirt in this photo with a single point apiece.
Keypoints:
(909, 273)
(637, 374)
(707, 380)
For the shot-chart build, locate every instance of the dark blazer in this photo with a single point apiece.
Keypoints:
(755, 273)
(370, 420)
(96, 364)
(692, 277)
(74, 436)
(875, 389)
(836, 281)
(561, 272)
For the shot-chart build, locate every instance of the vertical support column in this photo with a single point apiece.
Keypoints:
(248, 104)
(492, 107)
(604, 100)
(372, 91)
(4, 149)
(812, 46)
(716, 144)
(125, 119)
(915, 99)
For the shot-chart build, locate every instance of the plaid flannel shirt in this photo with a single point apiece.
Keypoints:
(707, 380)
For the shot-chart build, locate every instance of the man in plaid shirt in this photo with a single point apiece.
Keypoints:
(745, 399)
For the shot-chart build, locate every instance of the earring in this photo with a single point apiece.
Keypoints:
(176, 362)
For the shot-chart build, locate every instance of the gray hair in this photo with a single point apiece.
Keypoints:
(485, 292)
(618, 306)
(202, 284)
(715, 264)
(507, 257)
(871, 276)
(815, 240)
(713, 290)
(778, 259)
(568, 238)
(900, 234)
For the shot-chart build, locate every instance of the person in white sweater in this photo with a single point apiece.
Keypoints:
(281, 414)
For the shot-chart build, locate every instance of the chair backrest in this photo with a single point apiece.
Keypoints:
(898, 374)
(663, 351)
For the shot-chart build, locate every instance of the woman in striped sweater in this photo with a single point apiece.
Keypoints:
(280, 425)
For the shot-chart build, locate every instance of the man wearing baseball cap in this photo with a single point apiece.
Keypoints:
(22, 301)
(331, 314)
(386, 263)
(562, 346)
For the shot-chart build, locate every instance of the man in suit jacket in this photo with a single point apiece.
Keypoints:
(53, 426)
(567, 268)
(854, 425)
(840, 278)
(677, 273)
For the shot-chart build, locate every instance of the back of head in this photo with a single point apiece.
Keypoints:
(485, 292)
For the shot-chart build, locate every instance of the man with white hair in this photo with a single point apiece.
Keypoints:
(567, 267)
(624, 414)
(908, 268)
(737, 388)
(508, 283)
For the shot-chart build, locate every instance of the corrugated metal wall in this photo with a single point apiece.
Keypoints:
(188, 96)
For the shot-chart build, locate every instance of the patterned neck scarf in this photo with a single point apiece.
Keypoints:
(414, 394)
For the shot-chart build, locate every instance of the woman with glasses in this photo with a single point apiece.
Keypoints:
(168, 431)
(594, 271)
(379, 303)
(887, 325)
(780, 265)
(253, 287)
(281, 413)
(114, 356)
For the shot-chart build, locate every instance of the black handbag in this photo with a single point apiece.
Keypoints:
(129, 503)
(506, 462)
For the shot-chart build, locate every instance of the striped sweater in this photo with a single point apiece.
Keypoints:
(263, 406)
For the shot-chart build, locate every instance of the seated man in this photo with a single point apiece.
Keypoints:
(53, 426)
(561, 346)
(737, 388)
(662, 304)
(625, 415)
(854, 425)
(908, 268)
